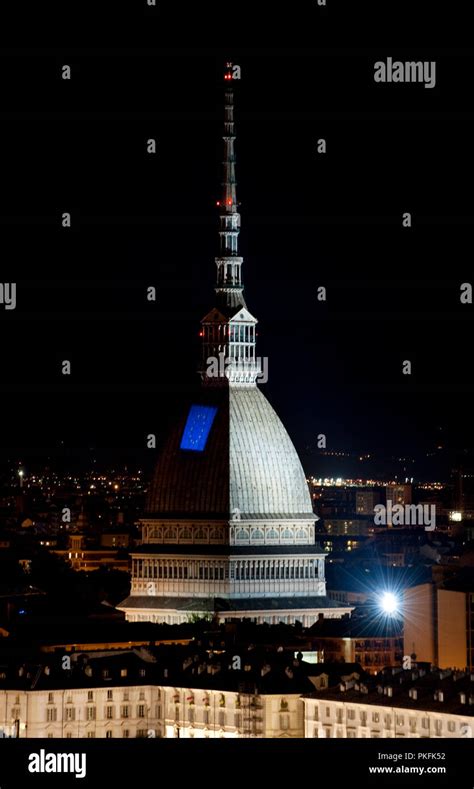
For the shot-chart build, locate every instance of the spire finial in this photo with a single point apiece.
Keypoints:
(229, 278)
(229, 330)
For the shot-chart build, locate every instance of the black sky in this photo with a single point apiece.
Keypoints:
(307, 220)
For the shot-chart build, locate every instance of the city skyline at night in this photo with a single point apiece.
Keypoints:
(236, 442)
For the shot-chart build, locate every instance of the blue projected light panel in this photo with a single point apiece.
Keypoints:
(197, 428)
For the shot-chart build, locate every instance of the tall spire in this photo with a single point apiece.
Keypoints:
(229, 330)
(229, 287)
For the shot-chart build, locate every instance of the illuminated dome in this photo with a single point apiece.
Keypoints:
(228, 528)
(247, 464)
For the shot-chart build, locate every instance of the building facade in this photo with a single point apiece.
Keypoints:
(439, 624)
(437, 705)
(148, 711)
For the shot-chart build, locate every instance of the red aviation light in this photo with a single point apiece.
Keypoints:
(229, 202)
(218, 202)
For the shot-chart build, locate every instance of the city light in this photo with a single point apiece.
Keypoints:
(389, 603)
(455, 516)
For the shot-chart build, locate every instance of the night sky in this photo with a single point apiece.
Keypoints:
(307, 220)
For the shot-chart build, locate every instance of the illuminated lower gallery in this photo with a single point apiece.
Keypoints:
(229, 528)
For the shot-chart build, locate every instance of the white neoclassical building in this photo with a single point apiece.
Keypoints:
(229, 528)
(147, 711)
(421, 706)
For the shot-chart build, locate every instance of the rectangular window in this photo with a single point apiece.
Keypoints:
(125, 711)
(90, 695)
(90, 713)
(70, 713)
(109, 713)
(50, 698)
(110, 695)
(126, 733)
(141, 711)
(221, 718)
(51, 714)
(109, 734)
(91, 735)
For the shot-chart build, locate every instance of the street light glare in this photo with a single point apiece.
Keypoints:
(389, 603)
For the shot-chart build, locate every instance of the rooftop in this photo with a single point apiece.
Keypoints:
(427, 689)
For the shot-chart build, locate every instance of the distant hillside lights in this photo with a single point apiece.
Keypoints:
(405, 515)
(8, 295)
